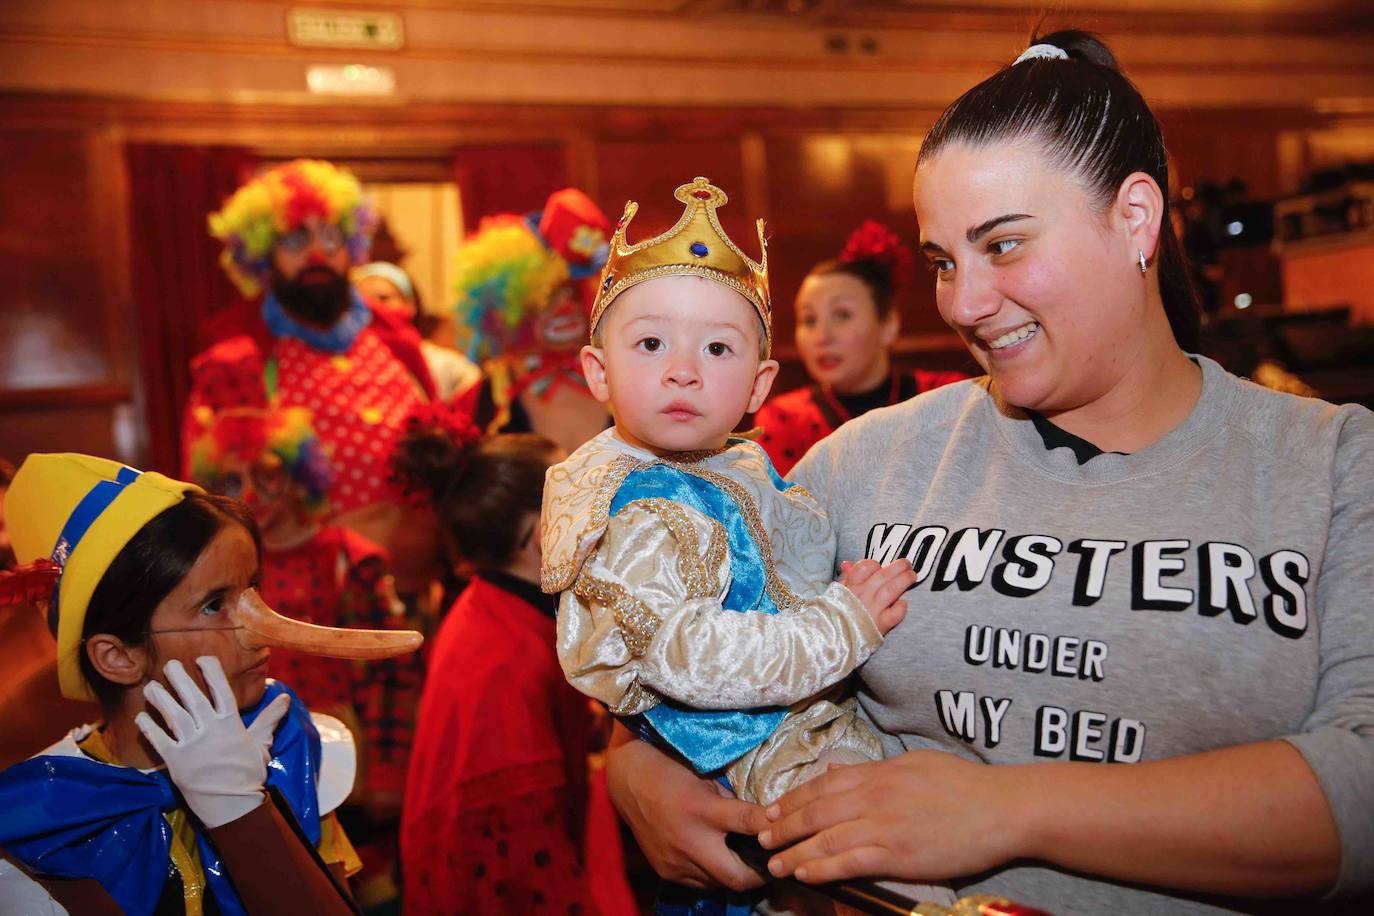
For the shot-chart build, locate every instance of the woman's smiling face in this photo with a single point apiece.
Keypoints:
(1036, 277)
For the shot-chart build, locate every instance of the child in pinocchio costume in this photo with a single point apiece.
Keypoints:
(320, 573)
(697, 596)
(143, 580)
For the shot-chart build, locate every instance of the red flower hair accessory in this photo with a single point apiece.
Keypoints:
(432, 451)
(875, 242)
(452, 421)
(29, 584)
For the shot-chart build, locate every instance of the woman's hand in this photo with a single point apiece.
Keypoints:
(218, 764)
(679, 818)
(923, 816)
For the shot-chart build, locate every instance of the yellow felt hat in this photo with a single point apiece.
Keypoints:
(80, 511)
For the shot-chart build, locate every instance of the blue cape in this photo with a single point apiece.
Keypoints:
(74, 817)
(710, 739)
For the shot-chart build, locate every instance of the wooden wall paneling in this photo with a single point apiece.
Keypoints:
(1218, 146)
(51, 252)
(65, 352)
(649, 170)
(823, 187)
(110, 222)
(79, 423)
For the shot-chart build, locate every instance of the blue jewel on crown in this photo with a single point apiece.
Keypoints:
(699, 249)
(606, 283)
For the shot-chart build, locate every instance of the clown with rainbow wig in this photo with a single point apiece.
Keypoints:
(305, 338)
(524, 287)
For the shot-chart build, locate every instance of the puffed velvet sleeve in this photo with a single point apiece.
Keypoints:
(646, 614)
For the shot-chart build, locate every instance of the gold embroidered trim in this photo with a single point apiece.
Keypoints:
(637, 624)
(697, 569)
(716, 549)
(559, 577)
(700, 454)
(777, 589)
(637, 699)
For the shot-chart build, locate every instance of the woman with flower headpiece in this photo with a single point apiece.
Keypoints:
(501, 813)
(846, 324)
(272, 460)
(525, 286)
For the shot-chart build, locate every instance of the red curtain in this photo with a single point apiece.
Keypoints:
(507, 179)
(177, 279)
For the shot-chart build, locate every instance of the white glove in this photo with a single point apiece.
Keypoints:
(218, 765)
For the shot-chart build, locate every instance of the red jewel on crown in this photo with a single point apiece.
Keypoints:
(702, 194)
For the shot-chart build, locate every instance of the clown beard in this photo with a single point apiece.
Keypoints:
(318, 295)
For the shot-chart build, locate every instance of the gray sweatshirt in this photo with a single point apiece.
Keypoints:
(1214, 589)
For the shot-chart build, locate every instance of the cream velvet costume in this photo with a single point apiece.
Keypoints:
(644, 615)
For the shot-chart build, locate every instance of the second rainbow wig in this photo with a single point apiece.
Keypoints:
(241, 437)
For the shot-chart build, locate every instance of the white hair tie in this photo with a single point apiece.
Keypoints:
(1049, 52)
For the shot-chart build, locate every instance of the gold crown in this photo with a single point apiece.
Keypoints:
(697, 246)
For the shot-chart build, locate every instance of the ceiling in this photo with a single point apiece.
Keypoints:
(1305, 16)
(862, 54)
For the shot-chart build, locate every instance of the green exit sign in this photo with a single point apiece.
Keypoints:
(344, 29)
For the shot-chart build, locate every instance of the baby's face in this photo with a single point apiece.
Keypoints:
(679, 363)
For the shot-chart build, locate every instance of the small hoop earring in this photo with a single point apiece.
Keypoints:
(1142, 259)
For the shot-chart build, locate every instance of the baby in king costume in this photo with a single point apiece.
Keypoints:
(697, 595)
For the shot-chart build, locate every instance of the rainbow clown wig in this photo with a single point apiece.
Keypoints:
(504, 278)
(507, 275)
(234, 440)
(279, 201)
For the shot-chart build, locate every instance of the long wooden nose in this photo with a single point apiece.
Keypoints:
(260, 626)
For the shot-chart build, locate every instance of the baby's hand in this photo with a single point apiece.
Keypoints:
(880, 588)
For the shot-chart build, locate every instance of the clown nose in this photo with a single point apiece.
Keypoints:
(260, 626)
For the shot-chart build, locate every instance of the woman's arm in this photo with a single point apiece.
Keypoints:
(220, 767)
(25, 892)
(679, 818)
(273, 871)
(1248, 820)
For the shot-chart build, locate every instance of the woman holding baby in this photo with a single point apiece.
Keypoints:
(1123, 554)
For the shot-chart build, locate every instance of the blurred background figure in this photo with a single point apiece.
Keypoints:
(307, 338)
(501, 812)
(525, 286)
(846, 323)
(321, 573)
(392, 288)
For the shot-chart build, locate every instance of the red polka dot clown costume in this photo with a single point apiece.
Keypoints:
(306, 338)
